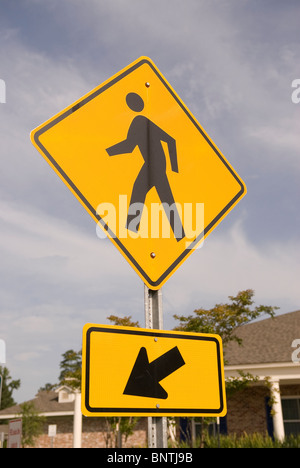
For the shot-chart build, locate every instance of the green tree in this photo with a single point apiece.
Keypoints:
(8, 386)
(71, 369)
(32, 424)
(123, 321)
(224, 319)
(47, 387)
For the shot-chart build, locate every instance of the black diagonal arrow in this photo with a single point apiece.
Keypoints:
(145, 377)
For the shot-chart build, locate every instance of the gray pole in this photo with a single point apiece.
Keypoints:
(157, 427)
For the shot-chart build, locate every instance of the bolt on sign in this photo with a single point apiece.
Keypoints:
(134, 371)
(143, 167)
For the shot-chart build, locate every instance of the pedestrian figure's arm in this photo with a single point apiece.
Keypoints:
(122, 147)
(172, 151)
(125, 146)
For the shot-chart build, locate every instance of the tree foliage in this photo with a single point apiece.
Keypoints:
(123, 321)
(8, 386)
(224, 319)
(47, 387)
(32, 424)
(71, 369)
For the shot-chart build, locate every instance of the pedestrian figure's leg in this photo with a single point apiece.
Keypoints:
(166, 197)
(138, 196)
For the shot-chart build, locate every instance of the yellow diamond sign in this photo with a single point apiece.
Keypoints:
(135, 371)
(143, 167)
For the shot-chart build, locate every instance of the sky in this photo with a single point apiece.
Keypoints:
(232, 62)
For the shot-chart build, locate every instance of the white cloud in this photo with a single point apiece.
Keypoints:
(283, 137)
(40, 245)
(34, 325)
(25, 357)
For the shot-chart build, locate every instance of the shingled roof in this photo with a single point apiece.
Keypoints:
(265, 341)
(45, 402)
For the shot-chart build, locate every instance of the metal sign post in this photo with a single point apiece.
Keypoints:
(157, 427)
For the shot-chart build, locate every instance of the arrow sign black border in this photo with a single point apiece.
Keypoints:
(151, 410)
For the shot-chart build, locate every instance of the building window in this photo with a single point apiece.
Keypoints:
(291, 415)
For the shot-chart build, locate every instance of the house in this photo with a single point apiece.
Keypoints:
(57, 407)
(270, 351)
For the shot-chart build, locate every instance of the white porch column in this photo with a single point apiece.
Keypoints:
(277, 410)
(77, 422)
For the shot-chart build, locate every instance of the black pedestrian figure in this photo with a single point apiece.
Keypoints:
(148, 137)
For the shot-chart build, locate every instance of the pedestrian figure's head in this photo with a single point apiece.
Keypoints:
(135, 102)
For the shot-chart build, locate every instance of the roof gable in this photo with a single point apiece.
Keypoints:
(265, 341)
(45, 402)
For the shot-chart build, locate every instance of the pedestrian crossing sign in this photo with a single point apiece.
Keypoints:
(143, 167)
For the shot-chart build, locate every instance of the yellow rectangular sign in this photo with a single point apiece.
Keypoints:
(134, 371)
